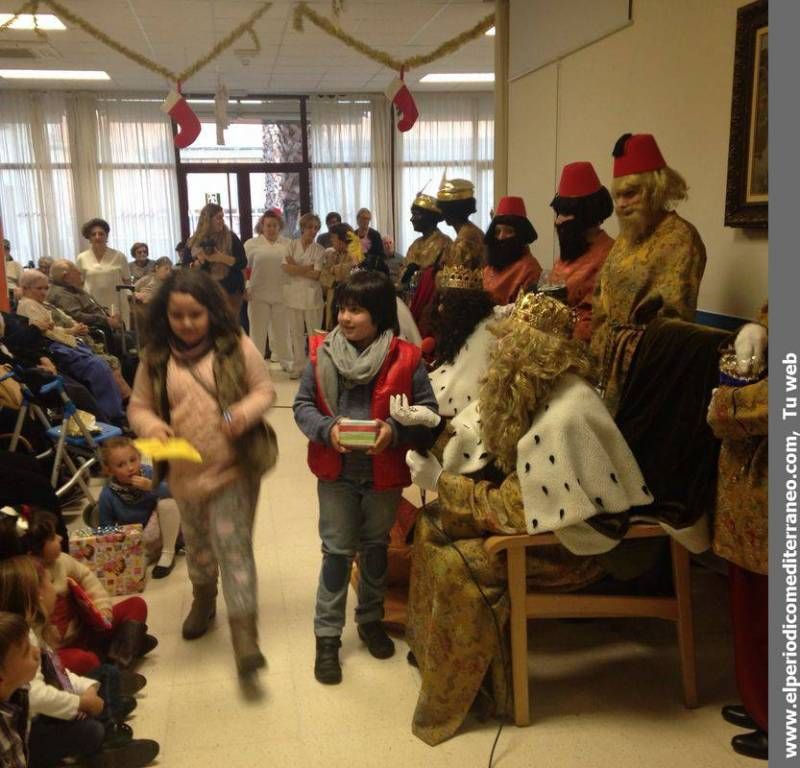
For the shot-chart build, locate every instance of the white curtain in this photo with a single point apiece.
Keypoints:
(138, 181)
(65, 158)
(454, 134)
(36, 180)
(349, 148)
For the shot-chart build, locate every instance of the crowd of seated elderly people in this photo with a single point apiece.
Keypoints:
(572, 402)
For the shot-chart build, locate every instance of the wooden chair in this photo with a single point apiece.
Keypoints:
(529, 605)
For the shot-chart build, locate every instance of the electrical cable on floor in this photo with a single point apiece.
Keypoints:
(500, 644)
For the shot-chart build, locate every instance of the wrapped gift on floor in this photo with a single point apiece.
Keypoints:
(115, 554)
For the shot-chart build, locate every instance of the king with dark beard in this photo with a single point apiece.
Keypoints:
(510, 265)
(581, 205)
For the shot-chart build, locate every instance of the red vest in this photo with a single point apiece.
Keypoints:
(389, 469)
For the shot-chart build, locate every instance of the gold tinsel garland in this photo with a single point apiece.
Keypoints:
(446, 48)
(153, 66)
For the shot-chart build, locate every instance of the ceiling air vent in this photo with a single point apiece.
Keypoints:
(17, 53)
(27, 51)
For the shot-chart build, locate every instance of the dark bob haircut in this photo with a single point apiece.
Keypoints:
(374, 292)
(91, 224)
(591, 210)
(332, 215)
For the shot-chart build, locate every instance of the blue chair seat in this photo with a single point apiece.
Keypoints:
(106, 431)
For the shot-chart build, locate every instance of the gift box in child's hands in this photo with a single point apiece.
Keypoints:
(358, 433)
(114, 554)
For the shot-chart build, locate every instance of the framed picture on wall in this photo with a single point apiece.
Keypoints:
(746, 201)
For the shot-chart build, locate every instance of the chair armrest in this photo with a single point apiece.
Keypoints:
(496, 544)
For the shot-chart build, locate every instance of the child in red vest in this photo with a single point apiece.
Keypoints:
(353, 372)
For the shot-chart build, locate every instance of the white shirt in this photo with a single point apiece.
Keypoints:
(100, 279)
(266, 276)
(304, 292)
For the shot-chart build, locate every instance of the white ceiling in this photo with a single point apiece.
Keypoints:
(177, 32)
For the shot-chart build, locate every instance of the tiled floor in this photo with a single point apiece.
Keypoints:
(604, 694)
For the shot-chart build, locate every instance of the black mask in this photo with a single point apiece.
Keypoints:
(503, 253)
(423, 221)
(572, 239)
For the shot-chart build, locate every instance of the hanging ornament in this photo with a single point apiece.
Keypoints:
(401, 97)
(187, 121)
(221, 112)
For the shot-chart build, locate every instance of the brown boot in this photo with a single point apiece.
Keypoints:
(244, 636)
(204, 608)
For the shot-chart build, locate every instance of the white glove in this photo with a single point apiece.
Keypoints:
(425, 470)
(412, 415)
(501, 312)
(750, 346)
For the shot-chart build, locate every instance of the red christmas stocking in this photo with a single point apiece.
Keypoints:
(401, 97)
(188, 123)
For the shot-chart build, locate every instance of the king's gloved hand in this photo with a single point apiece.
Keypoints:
(425, 470)
(750, 347)
(412, 415)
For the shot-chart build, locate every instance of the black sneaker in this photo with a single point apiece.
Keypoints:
(125, 706)
(379, 644)
(148, 644)
(134, 754)
(117, 735)
(327, 668)
(130, 682)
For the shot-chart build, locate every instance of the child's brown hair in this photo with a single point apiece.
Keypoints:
(42, 527)
(111, 445)
(13, 631)
(20, 579)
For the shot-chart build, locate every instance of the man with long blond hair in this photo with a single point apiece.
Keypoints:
(655, 266)
(536, 452)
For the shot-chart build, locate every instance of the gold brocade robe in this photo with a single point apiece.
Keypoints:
(740, 417)
(467, 249)
(659, 276)
(425, 251)
(451, 633)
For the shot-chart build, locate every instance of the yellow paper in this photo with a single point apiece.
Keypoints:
(171, 449)
(354, 248)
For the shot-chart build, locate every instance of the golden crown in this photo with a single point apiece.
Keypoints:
(455, 189)
(544, 313)
(426, 202)
(459, 276)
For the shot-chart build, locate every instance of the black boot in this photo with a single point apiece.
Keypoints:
(380, 645)
(327, 668)
(751, 744)
(129, 642)
(737, 715)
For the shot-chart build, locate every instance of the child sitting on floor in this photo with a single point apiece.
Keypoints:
(69, 718)
(19, 661)
(129, 497)
(80, 647)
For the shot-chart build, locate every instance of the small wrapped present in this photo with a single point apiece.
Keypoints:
(115, 554)
(358, 433)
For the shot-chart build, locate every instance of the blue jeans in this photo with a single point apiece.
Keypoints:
(354, 519)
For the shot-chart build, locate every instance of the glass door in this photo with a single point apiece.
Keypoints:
(217, 187)
(276, 190)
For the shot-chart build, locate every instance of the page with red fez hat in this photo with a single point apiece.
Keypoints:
(578, 180)
(511, 206)
(639, 154)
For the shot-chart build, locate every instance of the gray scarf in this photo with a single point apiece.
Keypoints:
(338, 357)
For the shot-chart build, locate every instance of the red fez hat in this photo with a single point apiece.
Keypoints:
(578, 180)
(637, 153)
(511, 206)
(511, 210)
